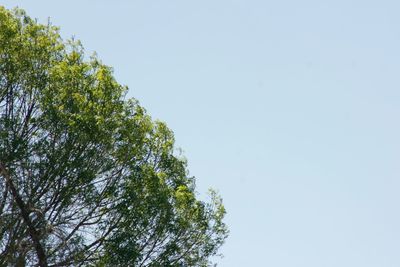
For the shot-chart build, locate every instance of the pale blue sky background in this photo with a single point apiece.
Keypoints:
(289, 108)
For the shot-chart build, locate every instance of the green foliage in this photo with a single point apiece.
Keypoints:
(86, 177)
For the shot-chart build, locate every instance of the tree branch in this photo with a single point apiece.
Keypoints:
(34, 234)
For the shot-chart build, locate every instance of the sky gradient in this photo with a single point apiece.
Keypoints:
(289, 108)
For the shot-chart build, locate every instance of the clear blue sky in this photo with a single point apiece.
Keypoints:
(289, 108)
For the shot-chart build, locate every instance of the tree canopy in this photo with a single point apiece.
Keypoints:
(87, 178)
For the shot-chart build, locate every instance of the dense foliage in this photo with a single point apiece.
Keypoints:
(86, 177)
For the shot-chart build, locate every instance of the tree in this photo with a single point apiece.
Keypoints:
(86, 177)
